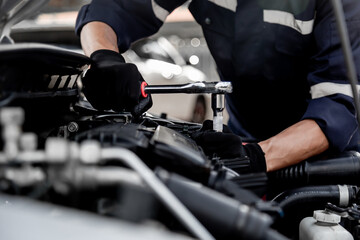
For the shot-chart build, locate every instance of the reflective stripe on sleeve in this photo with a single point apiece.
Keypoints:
(326, 89)
(288, 19)
(159, 12)
(228, 4)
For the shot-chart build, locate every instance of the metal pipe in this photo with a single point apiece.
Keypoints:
(164, 194)
(90, 177)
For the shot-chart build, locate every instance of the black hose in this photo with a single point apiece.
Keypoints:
(230, 188)
(296, 198)
(225, 217)
(344, 169)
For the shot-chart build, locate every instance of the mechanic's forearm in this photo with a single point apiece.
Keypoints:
(97, 35)
(296, 143)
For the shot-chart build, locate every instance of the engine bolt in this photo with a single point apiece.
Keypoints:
(73, 127)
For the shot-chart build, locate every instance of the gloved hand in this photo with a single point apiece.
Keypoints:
(110, 83)
(227, 145)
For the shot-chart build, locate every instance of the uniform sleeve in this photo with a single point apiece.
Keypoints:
(130, 19)
(332, 104)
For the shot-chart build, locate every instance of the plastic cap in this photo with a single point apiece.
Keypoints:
(28, 141)
(326, 217)
(57, 150)
(12, 115)
(90, 152)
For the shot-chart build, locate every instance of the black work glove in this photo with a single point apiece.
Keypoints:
(227, 145)
(110, 83)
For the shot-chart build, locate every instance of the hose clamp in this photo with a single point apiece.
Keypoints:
(344, 196)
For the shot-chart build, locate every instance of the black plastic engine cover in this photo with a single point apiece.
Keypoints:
(42, 80)
(127, 135)
(163, 147)
(29, 71)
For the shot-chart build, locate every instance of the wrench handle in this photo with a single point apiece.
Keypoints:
(143, 92)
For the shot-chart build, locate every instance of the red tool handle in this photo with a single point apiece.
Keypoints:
(143, 93)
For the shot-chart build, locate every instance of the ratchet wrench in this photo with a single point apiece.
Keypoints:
(216, 89)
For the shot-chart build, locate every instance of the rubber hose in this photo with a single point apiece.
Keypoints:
(344, 169)
(225, 217)
(313, 195)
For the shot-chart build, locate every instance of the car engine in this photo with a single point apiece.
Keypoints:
(68, 170)
(59, 154)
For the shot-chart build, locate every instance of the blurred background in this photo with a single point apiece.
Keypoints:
(177, 54)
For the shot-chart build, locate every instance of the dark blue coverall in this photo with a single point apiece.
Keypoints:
(283, 57)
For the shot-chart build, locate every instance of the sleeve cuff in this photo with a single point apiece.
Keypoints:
(335, 116)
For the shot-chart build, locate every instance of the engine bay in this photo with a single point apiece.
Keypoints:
(109, 174)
